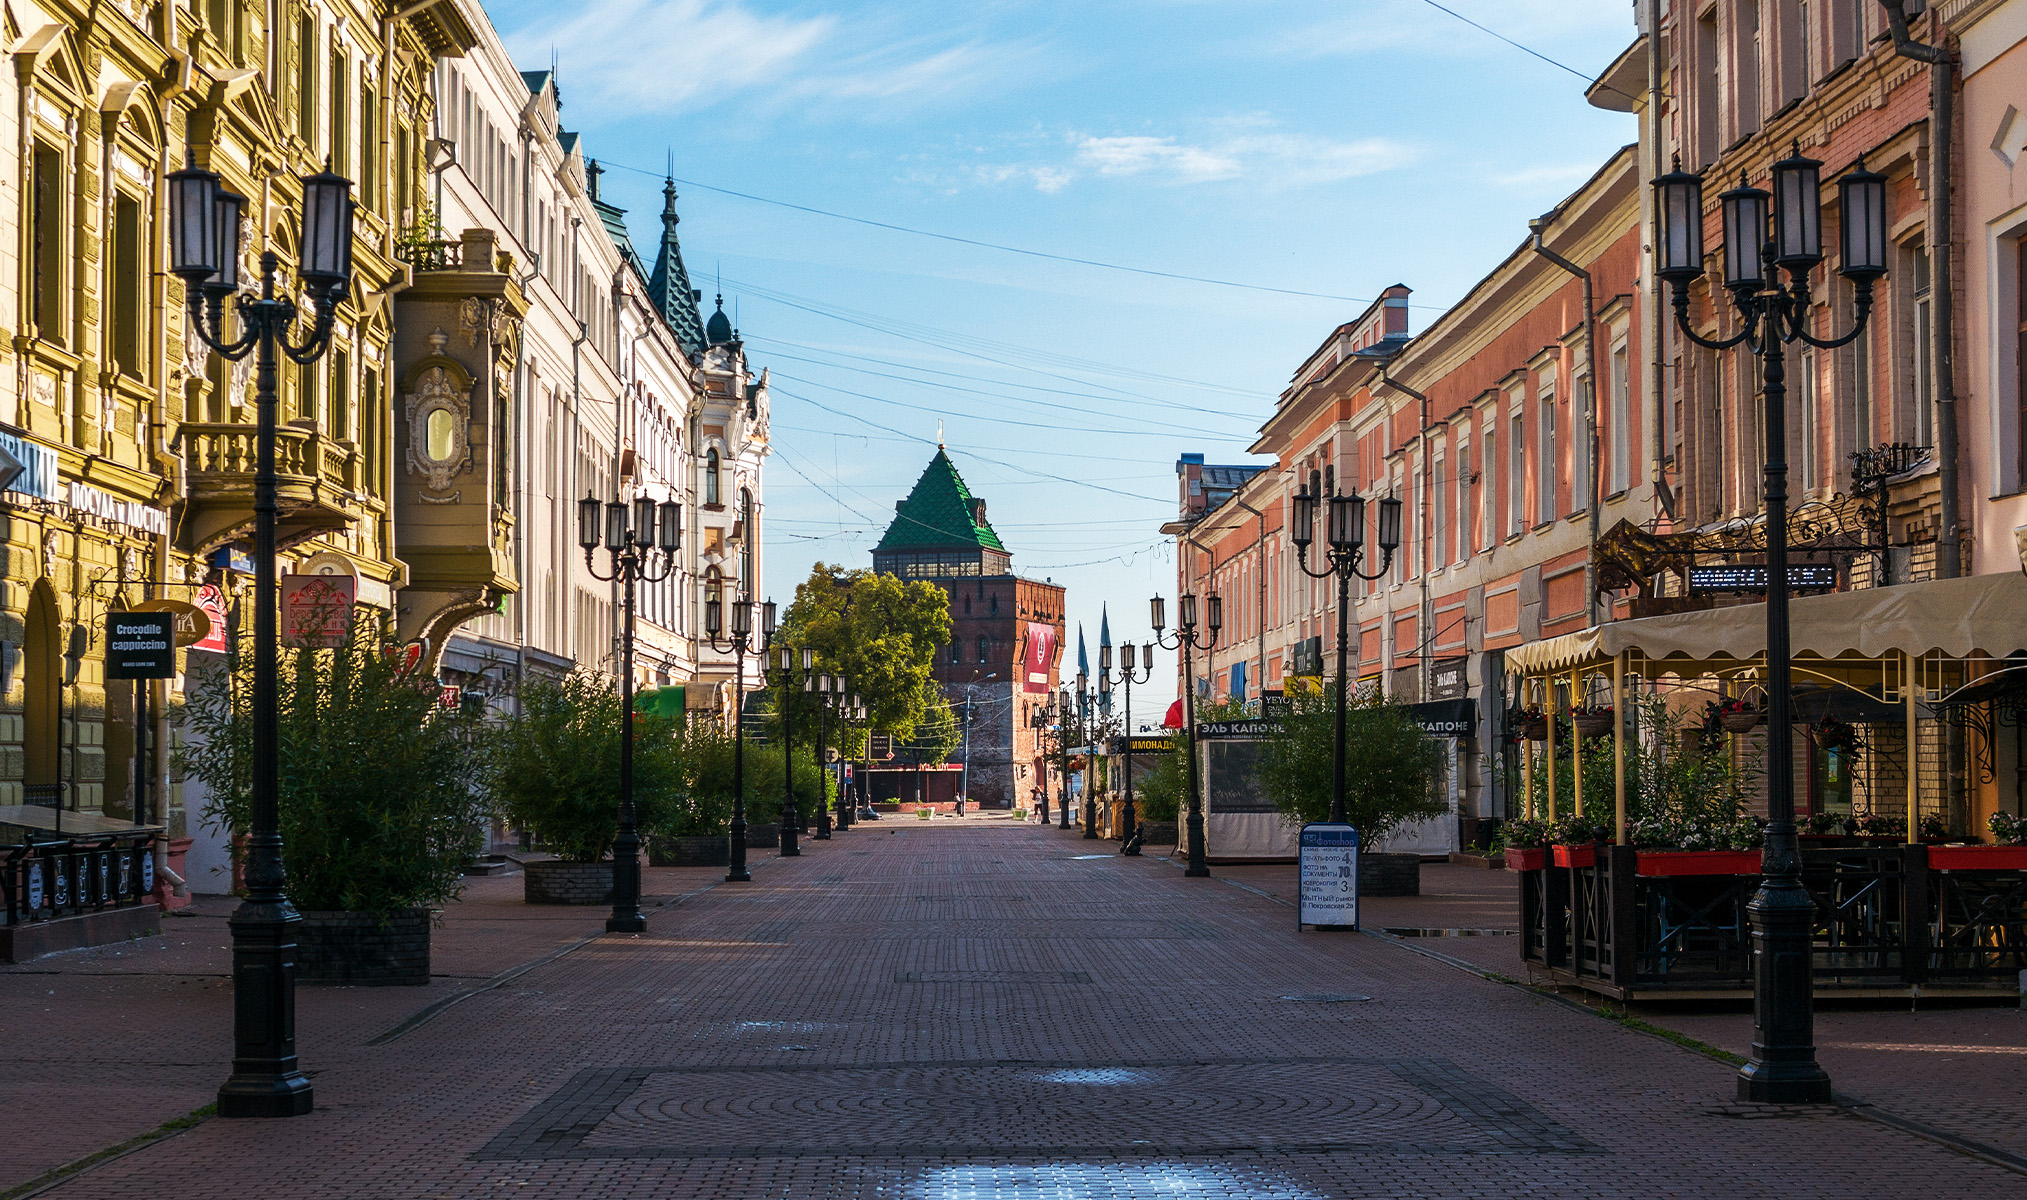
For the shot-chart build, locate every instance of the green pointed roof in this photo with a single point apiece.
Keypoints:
(940, 514)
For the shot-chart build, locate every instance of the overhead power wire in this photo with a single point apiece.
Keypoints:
(1528, 50)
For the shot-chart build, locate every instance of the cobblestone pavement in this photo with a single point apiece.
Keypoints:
(963, 1011)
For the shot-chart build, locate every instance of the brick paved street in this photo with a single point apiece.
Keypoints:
(935, 1010)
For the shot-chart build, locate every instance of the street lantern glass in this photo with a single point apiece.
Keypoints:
(1390, 524)
(615, 525)
(767, 618)
(1679, 200)
(671, 526)
(644, 519)
(1083, 683)
(193, 238)
(1861, 215)
(1104, 659)
(713, 616)
(327, 229)
(226, 212)
(1347, 522)
(1157, 608)
(1745, 235)
(587, 522)
(808, 658)
(1798, 212)
(1186, 605)
(1214, 606)
(1304, 520)
(1147, 656)
(742, 617)
(784, 659)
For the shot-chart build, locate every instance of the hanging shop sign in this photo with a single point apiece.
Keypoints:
(317, 609)
(228, 558)
(27, 467)
(193, 624)
(1752, 577)
(140, 645)
(1446, 718)
(210, 600)
(86, 500)
(1450, 679)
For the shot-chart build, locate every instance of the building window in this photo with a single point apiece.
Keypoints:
(1621, 416)
(369, 147)
(1921, 392)
(1516, 473)
(1488, 491)
(1438, 537)
(984, 648)
(341, 117)
(711, 476)
(47, 266)
(341, 395)
(749, 537)
(1463, 532)
(124, 286)
(306, 80)
(1807, 428)
(2020, 363)
(1708, 87)
(1545, 450)
(1580, 445)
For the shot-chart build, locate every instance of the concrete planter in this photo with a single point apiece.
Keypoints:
(556, 882)
(364, 949)
(708, 850)
(1389, 874)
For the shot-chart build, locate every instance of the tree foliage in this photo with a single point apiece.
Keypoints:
(380, 808)
(881, 633)
(708, 761)
(1390, 765)
(554, 770)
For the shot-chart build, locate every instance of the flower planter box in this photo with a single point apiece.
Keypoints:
(1977, 858)
(1575, 856)
(364, 949)
(1699, 862)
(1741, 722)
(702, 850)
(1531, 858)
(557, 882)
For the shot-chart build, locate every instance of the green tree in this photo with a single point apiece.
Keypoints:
(881, 633)
(554, 770)
(1391, 765)
(1161, 789)
(380, 808)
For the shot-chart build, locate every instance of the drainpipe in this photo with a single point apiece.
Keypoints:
(1539, 227)
(1260, 613)
(1425, 619)
(1210, 583)
(1941, 241)
(158, 447)
(1657, 313)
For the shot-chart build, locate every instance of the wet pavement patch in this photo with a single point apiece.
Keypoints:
(1325, 997)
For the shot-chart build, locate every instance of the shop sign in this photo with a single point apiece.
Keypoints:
(1251, 727)
(29, 467)
(317, 609)
(211, 601)
(140, 645)
(1449, 680)
(227, 558)
(91, 502)
(1751, 578)
(1446, 718)
(193, 624)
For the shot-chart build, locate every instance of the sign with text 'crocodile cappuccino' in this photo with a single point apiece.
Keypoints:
(140, 645)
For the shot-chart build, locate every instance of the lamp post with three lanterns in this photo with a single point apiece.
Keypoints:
(740, 643)
(1758, 246)
(641, 540)
(791, 819)
(1129, 819)
(204, 229)
(1186, 639)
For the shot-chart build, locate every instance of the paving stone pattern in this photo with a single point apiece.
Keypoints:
(820, 1032)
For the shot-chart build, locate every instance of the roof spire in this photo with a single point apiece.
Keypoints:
(718, 330)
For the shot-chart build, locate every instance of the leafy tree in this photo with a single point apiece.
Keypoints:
(1161, 790)
(1390, 764)
(555, 766)
(879, 631)
(379, 806)
(938, 734)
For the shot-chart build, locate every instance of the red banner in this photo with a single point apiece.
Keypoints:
(1041, 656)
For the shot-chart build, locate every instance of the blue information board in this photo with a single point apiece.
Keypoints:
(1328, 894)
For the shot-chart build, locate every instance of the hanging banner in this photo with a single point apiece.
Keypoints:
(317, 609)
(210, 600)
(1040, 657)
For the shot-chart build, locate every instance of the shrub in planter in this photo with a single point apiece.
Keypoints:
(554, 768)
(379, 807)
(1391, 765)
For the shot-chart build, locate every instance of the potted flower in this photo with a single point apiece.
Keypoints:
(1576, 840)
(1592, 721)
(1530, 723)
(2009, 851)
(1881, 826)
(1525, 843)
(1833, 734)
(1738, 714)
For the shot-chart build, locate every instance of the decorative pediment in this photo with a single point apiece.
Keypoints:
(47, 59)
(438, 404)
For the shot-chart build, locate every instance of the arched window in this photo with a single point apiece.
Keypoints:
(748, 537)
(984, 648)
(711, 476)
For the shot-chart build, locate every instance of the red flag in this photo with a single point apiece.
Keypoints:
(1174, 718)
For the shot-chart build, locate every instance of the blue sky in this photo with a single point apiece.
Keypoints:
(1321, 148)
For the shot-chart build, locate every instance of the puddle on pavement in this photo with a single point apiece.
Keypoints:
(1101, 1181)
(1094, 1076)
(1082, 857)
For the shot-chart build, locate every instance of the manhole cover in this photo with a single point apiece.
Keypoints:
(1326, 997)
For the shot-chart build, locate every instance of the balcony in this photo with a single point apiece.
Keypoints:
(317, 483)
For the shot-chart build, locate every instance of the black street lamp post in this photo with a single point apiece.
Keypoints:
(1185, 638)
(830, 693)
(204, 221)
(1783, 1067)
(1347, 551)
(1085, 708)
(1063, 711)
(1129, 820)
(740, 644)
(632, 534)
(791, 820)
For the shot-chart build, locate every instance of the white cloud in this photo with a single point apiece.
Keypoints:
(1246, 148)
(1140, 155)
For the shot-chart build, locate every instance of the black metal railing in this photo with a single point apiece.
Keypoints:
(48, 877)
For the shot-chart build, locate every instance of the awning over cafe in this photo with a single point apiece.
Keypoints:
(1959, 618)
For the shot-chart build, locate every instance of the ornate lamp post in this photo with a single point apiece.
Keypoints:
(1086, 706)
(1783, 1067)
(1347, 551)
(740, 644)
(1129, 820)
(791, 820)
(830, 694)
(1064, 710)
(1185, 638)
(631, 549)
(204, 222)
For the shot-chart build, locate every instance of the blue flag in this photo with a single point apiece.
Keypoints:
(1104, 640)
(1083, 659)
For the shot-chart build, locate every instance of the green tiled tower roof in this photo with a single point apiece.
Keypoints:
(940, 514)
